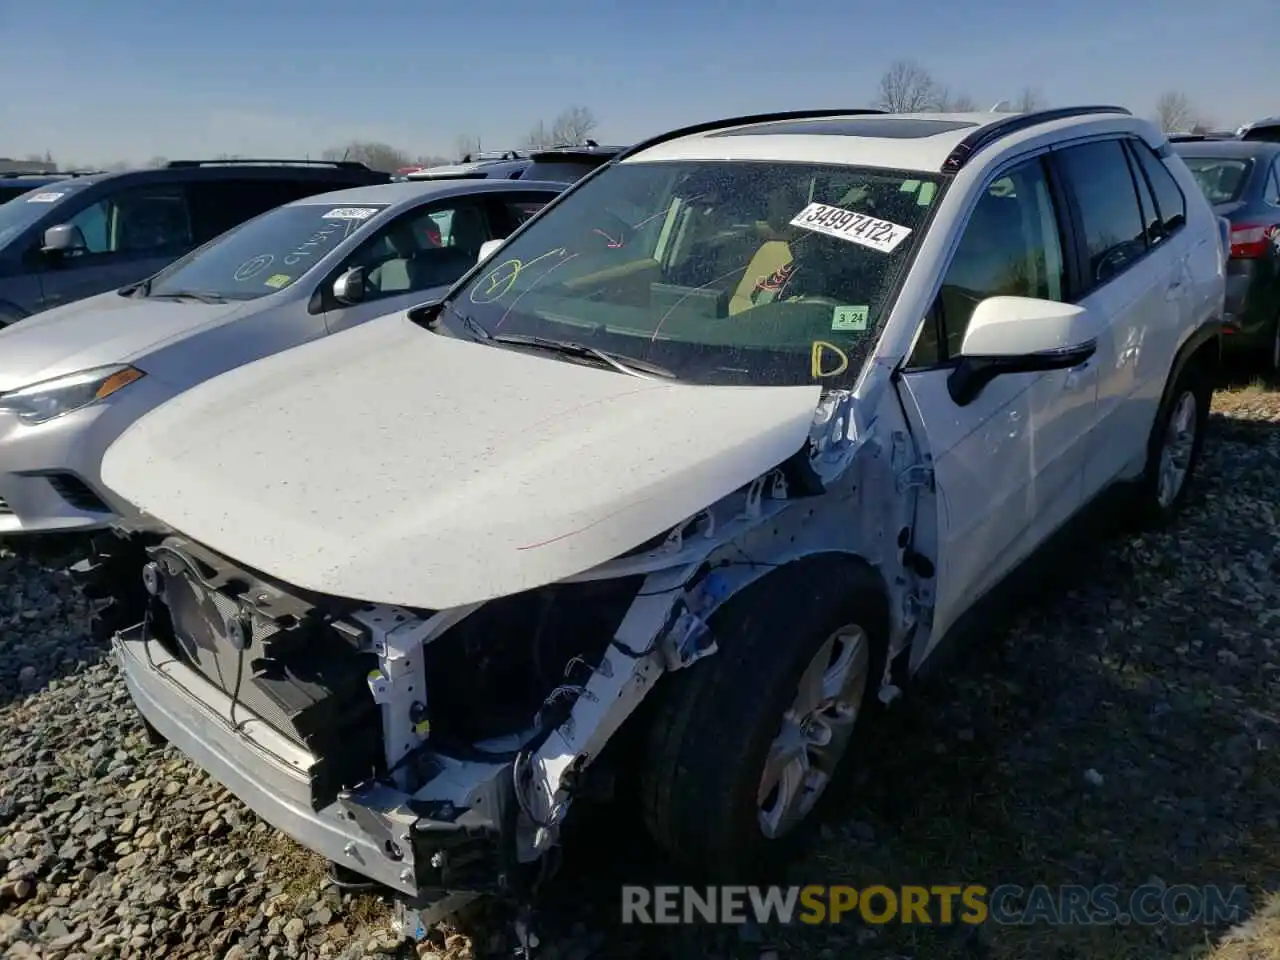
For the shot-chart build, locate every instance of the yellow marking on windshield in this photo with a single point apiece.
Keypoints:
(821, 347)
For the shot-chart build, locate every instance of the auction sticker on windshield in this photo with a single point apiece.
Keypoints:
(849, 318)
(45, 197)
(854, 227)
(350, 213)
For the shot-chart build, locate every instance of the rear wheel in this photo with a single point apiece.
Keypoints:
(1175, 445)
(745, 743)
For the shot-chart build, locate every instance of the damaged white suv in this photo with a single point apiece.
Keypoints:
(739, 425)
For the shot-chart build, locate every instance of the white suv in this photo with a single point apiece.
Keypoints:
(738, 427)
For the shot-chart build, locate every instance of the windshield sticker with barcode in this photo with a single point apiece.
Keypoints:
(854, 227)
(351, 213)
(45, 197)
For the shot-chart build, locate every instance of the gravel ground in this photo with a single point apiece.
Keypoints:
(1120, 731)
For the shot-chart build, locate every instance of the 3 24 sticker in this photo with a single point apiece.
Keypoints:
(43, 197)
(849, 318)
(854, 227)
(350, 213)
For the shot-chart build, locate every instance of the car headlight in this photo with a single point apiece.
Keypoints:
(48, 399)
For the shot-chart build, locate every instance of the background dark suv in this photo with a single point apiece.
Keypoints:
(84, 235)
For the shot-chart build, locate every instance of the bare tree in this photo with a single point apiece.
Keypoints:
(956, 103)
(431, 160)
(1030, 100)
(467, 145)
(1174, 112)
(906, 87)
(572, 126)
(376, 156)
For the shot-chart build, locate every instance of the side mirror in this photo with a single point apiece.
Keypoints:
(64, 238)
(1021, 335)
(487, 248)
(349, 288)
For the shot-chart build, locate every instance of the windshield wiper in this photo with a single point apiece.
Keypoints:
(140, 289)
(189, 295)
(621, 362)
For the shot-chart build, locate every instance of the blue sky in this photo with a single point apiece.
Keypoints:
(97, 82)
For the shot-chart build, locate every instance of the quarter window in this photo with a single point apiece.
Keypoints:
(1099, 176)
(1011, 246)
(1273, 185)
(1170, 201)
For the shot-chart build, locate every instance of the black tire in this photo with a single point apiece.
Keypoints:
(1154, 509)
(715, 721)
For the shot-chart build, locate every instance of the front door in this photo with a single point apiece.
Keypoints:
(128, 236)
(1007, 466)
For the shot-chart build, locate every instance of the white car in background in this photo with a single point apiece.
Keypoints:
(744, 426)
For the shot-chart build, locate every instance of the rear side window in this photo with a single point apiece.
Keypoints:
(1171, 205)
(1099, 176)
(1272, 192)
(1269, 133)
(219, 205)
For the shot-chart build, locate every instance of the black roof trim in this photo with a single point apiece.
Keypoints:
(595, 151)
(244, 161)
(1014, 123)
(1199, 137)
(744, 121)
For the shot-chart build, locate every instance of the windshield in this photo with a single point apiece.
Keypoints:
(1221, 178)
(732, 272)
(264, 255)
(21, 212)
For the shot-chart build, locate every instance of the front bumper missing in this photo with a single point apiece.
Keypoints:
(375, 830)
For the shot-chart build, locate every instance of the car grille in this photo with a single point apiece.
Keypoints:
(77, 493)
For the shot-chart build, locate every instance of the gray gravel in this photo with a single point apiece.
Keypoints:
(1122, 728)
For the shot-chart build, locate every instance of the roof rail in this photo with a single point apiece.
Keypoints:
(986, 135)
(244, 161)
(741, 122)
(10, 174)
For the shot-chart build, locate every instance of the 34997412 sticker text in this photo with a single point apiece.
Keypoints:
(854, 227)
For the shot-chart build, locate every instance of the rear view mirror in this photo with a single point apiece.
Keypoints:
(487, 248)
(64, 238)
(1021, 335)
(349, 288)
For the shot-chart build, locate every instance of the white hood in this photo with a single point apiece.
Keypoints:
(393, 465)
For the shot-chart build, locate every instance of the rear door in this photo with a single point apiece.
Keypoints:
(1007, 466)
(1129, 278)
(129, 233)
(415, 255)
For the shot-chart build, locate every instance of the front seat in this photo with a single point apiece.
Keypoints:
(769, 265)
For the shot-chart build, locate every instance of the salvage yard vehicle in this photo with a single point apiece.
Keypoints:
(91, 233)
(72, 378)
(1242, 181)
(16, 184)
(711, 454)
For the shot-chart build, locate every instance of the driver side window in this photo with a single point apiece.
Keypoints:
(143, 221)
(1011, 246)
(425, 248)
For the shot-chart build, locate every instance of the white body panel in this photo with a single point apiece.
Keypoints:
(394, 465)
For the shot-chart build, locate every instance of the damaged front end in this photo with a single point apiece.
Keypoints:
(437, 752)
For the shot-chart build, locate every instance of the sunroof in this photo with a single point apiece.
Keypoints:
(893, 128)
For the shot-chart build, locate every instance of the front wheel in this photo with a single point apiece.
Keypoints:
(1175, 445)
(746, 742)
